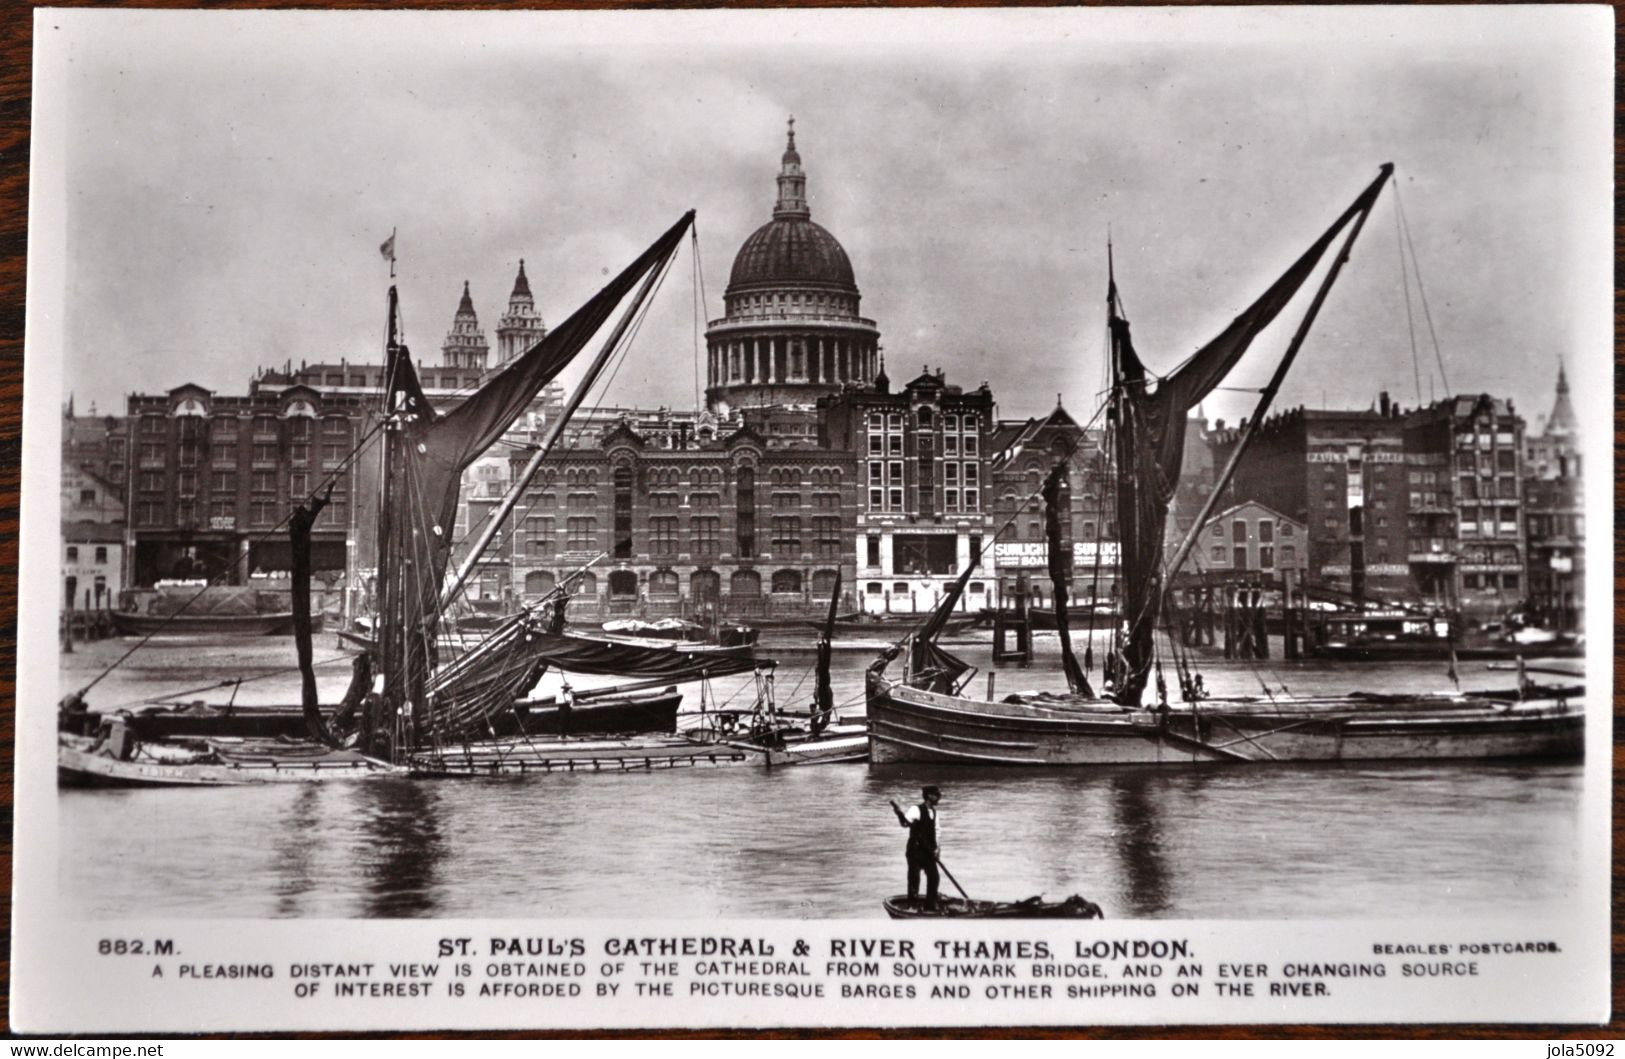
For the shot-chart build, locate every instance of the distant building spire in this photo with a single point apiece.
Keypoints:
(792, 181)
(1561, 422)
(521, 327)
(465, 345)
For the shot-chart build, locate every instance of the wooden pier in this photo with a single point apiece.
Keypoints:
(1013, 622)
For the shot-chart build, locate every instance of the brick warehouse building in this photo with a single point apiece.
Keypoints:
(1342, 475)
(211, 477)
(1420, 506)
(691, 519)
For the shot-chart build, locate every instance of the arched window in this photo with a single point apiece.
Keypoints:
(705, 586)
(745, 584)
(787, 581)
(585, 586)
(539, 582)
(663, 583)
(623, 584)
(823, 583)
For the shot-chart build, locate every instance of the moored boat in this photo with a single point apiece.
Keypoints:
(84, 761)
(604, 713)
(131, 624)
(406, 694)
(925, 716)
(909, 724)
(1077, 614)
(1395, 637)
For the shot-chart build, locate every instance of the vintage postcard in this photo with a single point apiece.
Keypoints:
(815, 519)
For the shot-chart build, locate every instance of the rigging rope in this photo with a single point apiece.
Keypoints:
(242, 556)
(1421, 291)
(1405, 285)
(234, 683)
(699, 306)
(618, 357)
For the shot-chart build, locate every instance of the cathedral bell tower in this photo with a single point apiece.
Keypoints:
(465, 345)
(521, 327)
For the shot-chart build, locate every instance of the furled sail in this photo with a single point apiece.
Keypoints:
(823, 690)
(938, 669)
(1149, 427)
(473, 691)
(1058, 563)
(425, 456)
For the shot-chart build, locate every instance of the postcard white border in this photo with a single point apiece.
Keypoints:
(55, 989)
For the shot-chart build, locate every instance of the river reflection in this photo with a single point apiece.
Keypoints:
(1138, 842)
(1207, 841)
(398, 847)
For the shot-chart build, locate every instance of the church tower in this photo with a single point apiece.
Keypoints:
(790, 332)
(521, 326)
(465, 345)
(1561, 422)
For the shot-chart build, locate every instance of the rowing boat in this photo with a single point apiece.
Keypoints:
(1074, 907)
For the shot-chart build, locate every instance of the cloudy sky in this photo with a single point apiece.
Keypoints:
(226, 179)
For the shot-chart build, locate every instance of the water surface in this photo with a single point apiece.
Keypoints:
(1211, 841)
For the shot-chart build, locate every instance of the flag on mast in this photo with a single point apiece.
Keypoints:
(387, 249)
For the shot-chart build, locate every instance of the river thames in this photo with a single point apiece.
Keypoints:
(1212, 841)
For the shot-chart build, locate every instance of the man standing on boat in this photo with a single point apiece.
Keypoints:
(921, 821)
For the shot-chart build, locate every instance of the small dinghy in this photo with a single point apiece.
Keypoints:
(1074, 907)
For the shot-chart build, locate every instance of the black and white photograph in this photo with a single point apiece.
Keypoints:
(816, 518)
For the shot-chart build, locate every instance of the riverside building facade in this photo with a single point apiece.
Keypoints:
(1022, 453)
(1343, 476)
(1422, 506)
(921, 513)
(213, 476)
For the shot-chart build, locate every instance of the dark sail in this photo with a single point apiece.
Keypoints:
(1058, 564)
(1149, 427)
(936, 668)
(299, 524)
(823, 690)
(425, 456)
(474, 691)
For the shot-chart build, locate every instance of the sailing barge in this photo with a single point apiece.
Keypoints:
(414, 705)
(916, 725)
(924, 716)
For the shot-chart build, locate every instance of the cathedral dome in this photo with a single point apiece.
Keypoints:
(792, 251)
(790, 332)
